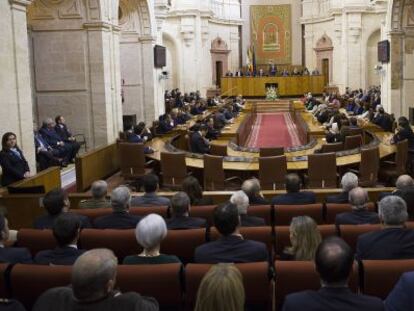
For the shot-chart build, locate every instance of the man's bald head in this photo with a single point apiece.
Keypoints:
(93, 274)
(358, 197)
(404, 181)
(333, 261)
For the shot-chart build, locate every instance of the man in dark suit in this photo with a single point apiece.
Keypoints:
(66, 230)
(45, 154)
(358, 198)
(251, 188)
(150, 197)
(241, 200)
(349, 181)
(212, 133)
(294, 195)
(180, 206)
(198, 142)
(63, 131)
(231, 247)
(120, 217)
(333, 262)
(394, 241)
(11, 254)
(93, 282)
(56, 202)
(401, 297)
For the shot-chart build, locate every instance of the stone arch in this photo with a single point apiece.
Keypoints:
(372, 78)
(324, 51)
(172, 61)
(219, 59)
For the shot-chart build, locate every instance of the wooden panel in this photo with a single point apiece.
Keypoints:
(49, 178)
(96, 164)
(22, 209)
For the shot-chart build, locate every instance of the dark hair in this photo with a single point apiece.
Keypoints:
(57, 119)
(180, 203)
(2, 222)
(150, 183)
(353, 121)
(54, 201)
(333, 260)
(226, 218)
(292, 182)
(192, 187)
(66, 228)
(403, 122)
(5, 138)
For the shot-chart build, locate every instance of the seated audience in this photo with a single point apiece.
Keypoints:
(120, 217)
(192, 187)
(62, 130)
(294, 195)
(251, 188)
(150, 232)
(212, 132)
(66, 229)
(221, 289)
(56, 202)
(11, 254)
(241, 200)
(166, 124)
(46, 156)
(143, 131)
(304, 239)
(348, 182)
(405, 190)
(401, 297)
(180, 207)
(358, 198)
(383, 120)
(99, 190)
(231, 247)
(93, 288)
(198, 142)
(150, 197)
(394, 241)
(404, 132)
(13, 163)
(333, 263)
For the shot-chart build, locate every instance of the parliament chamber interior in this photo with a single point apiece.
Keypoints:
(206, 155)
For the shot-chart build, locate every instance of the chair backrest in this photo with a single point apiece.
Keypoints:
(322, 170)
(272, 172)
(296, 276)
(146, 210)
(28, 282)
(401, 157)
(285, 213)
(271, 152)
(183, 243)
(213, 173)
(122, 242)
(205, 212)
(352, 142)
(35, 240)
(218, 150)
(163, 282)
(131, 159)
(333, 209)
(263, 211)
(173, 167)
(257, 285)
(332, 147)
(282, 235)
(350, 233)
(4, 290)
(369, 166)
(380, 276)
(92, 213)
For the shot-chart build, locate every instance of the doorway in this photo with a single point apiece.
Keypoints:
(219, 73)
(325, 71)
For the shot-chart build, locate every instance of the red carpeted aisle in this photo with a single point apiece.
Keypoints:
(273, 130)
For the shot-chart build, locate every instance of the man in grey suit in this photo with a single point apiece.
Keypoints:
(150, 196)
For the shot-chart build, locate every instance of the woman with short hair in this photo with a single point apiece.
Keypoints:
(304, 239)
(150, 232)
(221, 289)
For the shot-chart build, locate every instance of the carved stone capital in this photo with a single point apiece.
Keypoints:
(20, 5)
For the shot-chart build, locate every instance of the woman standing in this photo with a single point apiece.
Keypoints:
(12, 161)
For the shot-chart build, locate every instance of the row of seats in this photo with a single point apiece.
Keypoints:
(183, 243)
(176, 288)
(280, 215)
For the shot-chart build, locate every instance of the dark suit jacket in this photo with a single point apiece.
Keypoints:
(198, 144)
(252, 221)
(293, 198)
(46, 221)
(15, 255)
(389, 243)
(65, 256)
(149, 199)
(116, 220)
(13, 166)
(407, 195)
(338, 198)
(331, 299)
(63, 132)
(405, 134)
(11, 305)
(257, 200)
(401, 297)
(186, 223)
(51, 136)
(357, 217)
(231, 249)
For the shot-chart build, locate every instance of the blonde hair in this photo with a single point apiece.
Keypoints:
(221, 289)
(304, 238)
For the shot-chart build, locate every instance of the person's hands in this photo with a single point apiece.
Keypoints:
(26, 175)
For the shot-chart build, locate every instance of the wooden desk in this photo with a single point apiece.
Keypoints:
(287, 86)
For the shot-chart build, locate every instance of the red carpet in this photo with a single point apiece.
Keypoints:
(273, 130)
